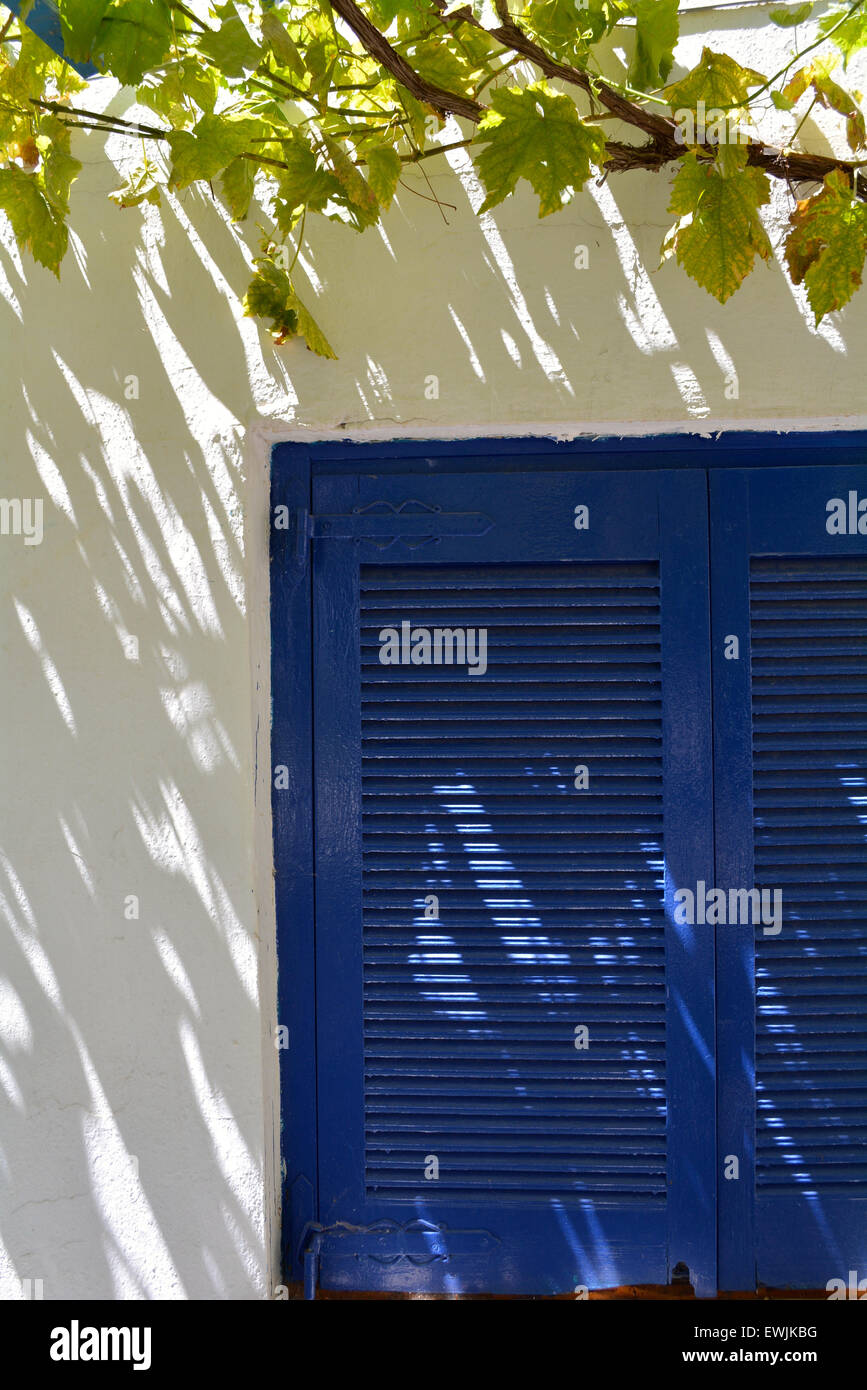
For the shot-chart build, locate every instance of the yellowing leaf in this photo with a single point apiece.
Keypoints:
(268, 296)
(720, 232)
(535, 134)
(231, 46)
(271, 295)
(311, 332)
(827, 244)
(689, 186)
(59, 166)
(383, 171)
(852, 34)
(360, 195)
(237, 181)
(301, 184)
(28, 75)
(829, 94)
(282, 44)
(140, 187)
(717, 80)
(207, 149)
(35, 224)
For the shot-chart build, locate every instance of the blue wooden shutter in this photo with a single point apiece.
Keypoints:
(791, 781)
(453, 1037)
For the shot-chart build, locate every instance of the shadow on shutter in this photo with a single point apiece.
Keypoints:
(809, 684)
(550, 909)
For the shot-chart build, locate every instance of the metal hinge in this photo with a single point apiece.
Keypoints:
(413, 522)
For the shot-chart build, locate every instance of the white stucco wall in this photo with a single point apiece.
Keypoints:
(136, 1092)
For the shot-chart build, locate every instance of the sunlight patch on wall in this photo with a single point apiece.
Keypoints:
(174, 968)
(233, 1158)
(543, 352)
(15, 1030)
(647, 323)
(473, 355)
(49, 670)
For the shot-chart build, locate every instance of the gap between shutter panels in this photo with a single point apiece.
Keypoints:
(550, 900)
(809, 684)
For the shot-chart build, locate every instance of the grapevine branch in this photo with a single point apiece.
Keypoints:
(662, 148)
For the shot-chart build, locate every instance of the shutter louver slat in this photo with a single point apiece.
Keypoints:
(550, 900)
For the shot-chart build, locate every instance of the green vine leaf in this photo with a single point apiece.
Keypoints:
(230, 46)
(536, 134)
(360, 197)
(657, 29)
(717, 80)
(303, 183)
(787, 19)
(315, 112)
(271, 295)
(133, 37)
(852, 34)
(441, 64)
(237, 181)
(79, 22)
(209, 148)
(720, 232)
(383, 171)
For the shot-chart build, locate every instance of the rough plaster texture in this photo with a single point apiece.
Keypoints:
(137, 1083)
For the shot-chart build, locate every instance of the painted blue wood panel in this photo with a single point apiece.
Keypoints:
(576, 1188)
(291, 801)
(763, 509)
(791, 773)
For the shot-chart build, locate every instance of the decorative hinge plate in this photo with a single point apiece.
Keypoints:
(413, 522)
(387, 1242)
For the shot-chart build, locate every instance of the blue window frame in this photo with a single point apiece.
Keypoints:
(413, 1037)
